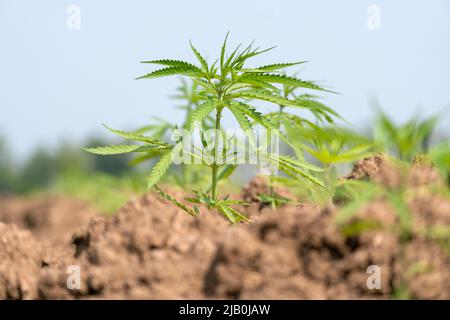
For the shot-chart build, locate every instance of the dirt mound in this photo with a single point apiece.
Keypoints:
(260, 186)
(152, 250)
(377, 168)
(422, 174)
(21, 259)
(381, 169)
(50, 218)
(303, 255)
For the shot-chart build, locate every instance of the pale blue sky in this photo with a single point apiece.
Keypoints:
(56, 83)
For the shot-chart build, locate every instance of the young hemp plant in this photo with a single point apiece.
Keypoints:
(227, 84)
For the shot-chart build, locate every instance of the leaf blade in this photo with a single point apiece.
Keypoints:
(159, 170)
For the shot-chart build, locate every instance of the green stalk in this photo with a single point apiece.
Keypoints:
(215, 166)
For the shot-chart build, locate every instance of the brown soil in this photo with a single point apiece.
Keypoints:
(152, 250)
(50, 218)
(260, 186)
(21, 259)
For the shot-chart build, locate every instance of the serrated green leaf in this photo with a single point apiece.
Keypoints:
(171, 71)
(136, 136)
(286, 80)
(231, 214)
(253, 94)
(257, 83)
(244, 123)
(297, 163)
(226, 172)
(201, 112)
(146, 156)
(293, 170)
(277, 66)
(233, 202)
(159, 169)
(192, 212)
(222, 54)
(118, 149)
(260, 119)
(199, 57)
(250, 71)
(252, 113)
(316, 105)
(230, 60)
(247, 54)
(172, 63)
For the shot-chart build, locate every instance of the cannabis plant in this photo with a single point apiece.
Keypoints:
(405, 140)
(228, 85)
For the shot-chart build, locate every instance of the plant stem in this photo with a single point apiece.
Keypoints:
(280, 113)
(215, 166)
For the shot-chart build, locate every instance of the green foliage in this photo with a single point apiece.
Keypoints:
(118, 149)
(274, 200)
(39, 170)
(288, 96)
(440, 155)
(43, 166)
(201, 112)
(192, 95)
(192, 212)
(223, 206)
(330, 144)
(183, 175)
(358, 227)
(152, 146)
(116, 166)
(404, 140)
(294, 168)
(359, 193)
(95, 188)
(344, 194)
(7, 170)
(412, 138)
(65, 169)
(158, 130)
(397, 198)
(356, 194)
(159, 169)
(227, 84)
